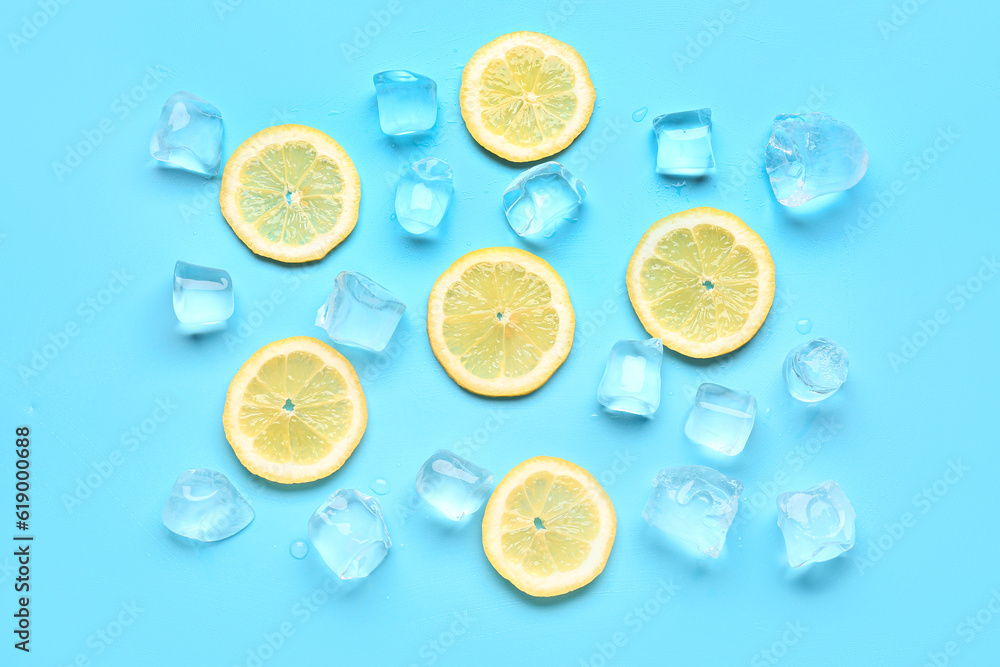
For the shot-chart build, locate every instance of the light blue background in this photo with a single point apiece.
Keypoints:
(925, 85)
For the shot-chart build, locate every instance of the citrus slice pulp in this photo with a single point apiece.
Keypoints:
(500, 321)
(295, 411)
(549, 527)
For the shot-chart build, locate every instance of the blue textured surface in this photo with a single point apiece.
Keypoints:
(123, 404)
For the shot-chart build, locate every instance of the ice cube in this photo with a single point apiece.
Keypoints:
(407, 102)
(205, 506)
(813, 154)
(360, 312)
(684, 143)
(349, 533)
(818, 524)
(203, 296)
(721, 418)
(423, 194)
(456, 487)
(631, 381)
(694, 504)
(541, 198)
(815, 370)
(189, 135)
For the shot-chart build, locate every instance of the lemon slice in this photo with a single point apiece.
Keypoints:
(500, 321)
(548, 527)
(290, 193)
(526, 96)
(701, 281)
(295, 411)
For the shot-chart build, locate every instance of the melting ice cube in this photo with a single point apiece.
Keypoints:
(818, 524)
(694, 504)
(453, 485)
(721, 418)
(541, 198)
(816, 370)
(407, 102)
(189, 135)
(813, 154)
(631, 381)
(684, 143)
(349, 533)
(423, 195)
(360, 312)
(202, 296)
(205, 506)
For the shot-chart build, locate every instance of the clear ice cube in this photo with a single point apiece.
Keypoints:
(694, 504)
(813, 154)
(205, 506)
(631, 381)
(360, 312)
(407, 102)
(684, 143)
(189, 135)
(203, 296)
(349, 533)
(423, 195)
(541, 198)
(818, 524)
(815, 370)
(721, 418)
(456, 487)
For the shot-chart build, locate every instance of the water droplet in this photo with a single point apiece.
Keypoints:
(639, 114)
(803, 326)
(392, 217)
(379, 486)
(299, 549)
